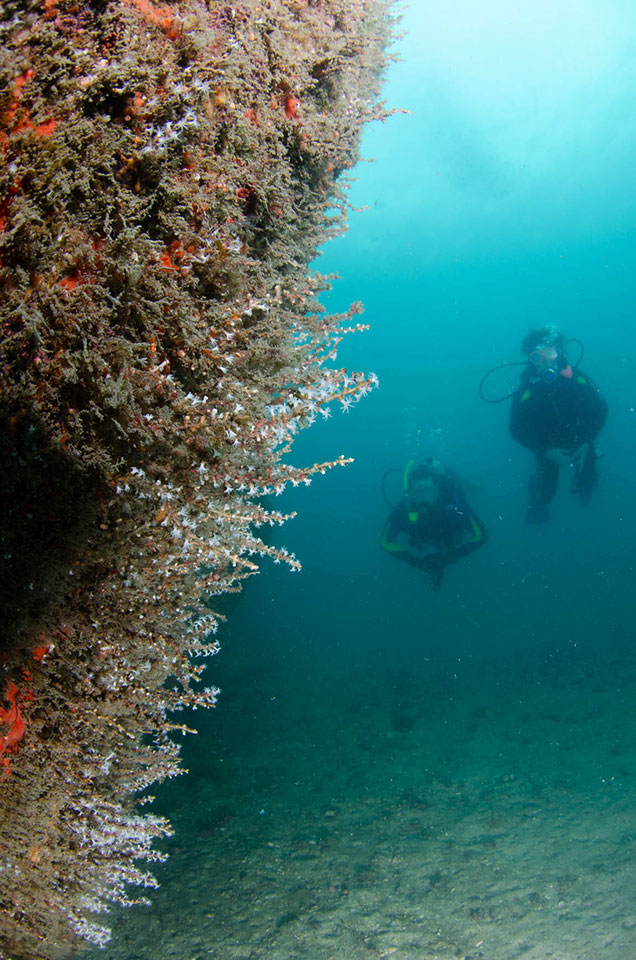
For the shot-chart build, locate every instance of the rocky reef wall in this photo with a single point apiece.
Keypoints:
(168, 173)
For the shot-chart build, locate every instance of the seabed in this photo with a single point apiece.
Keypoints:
(426, 811)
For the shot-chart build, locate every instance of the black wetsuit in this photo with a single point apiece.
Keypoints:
(563, 415)
(448, 525)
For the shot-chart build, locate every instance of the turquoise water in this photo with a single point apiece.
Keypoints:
(389, 771)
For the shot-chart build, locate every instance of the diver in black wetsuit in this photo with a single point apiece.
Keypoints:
(557, 412)
(433, 514)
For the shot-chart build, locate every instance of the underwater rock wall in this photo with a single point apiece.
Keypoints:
(168, 172)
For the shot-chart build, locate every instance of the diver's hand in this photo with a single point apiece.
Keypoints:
(562, 458)
(567, 458)
(577, 459)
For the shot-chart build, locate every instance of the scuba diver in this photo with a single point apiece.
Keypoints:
(433, 514)
(557, 412)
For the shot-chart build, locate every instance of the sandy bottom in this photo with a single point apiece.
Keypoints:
(415, 814)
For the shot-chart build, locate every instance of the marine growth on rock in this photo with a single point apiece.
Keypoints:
(168, 173)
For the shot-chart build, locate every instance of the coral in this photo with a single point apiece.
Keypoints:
(168, 173)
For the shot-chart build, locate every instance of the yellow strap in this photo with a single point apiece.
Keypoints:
(391, 545)
(477, 533)
(407, 473)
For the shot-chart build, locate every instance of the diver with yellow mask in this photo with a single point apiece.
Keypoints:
(434, 519)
